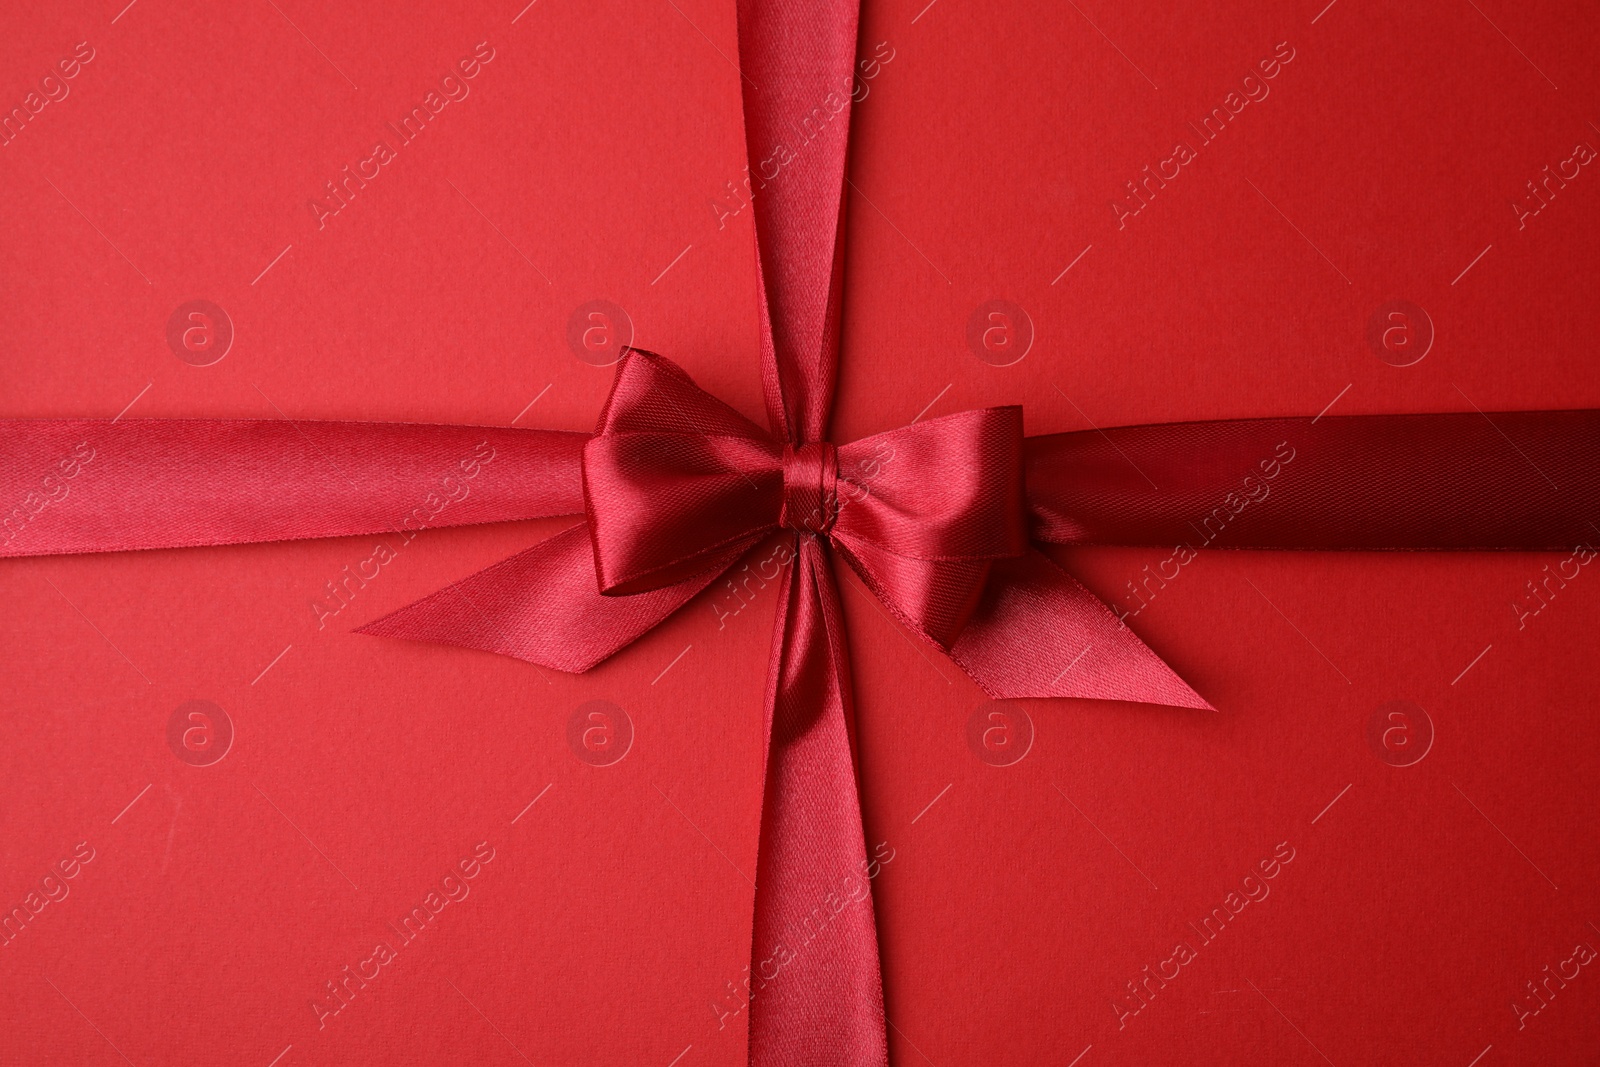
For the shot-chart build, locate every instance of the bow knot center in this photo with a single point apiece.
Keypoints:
(810, 496)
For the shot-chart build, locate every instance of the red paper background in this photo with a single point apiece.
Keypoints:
(986, 155)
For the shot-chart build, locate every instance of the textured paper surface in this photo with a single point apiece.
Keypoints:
(1382, 168)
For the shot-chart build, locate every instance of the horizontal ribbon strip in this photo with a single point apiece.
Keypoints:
(1526, 480)
(1501, 480)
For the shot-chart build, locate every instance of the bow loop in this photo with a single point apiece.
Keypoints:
(946, 489)
(652, 394)
(925, 509)
(673, 479)
(675, 482)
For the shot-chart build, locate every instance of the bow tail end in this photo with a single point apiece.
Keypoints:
(541, 606)
(816, 986)
(1037, 632)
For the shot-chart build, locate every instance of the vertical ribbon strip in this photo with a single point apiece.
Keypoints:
(817, 990)
(674, 486)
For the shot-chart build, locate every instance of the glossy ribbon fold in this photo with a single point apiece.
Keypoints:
(674, 487)
(936, 518)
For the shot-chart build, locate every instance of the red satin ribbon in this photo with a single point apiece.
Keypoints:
(675, 487)
(936, 518)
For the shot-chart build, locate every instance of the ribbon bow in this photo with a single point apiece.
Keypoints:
(675, 482)
(936, 519)
(677, 487)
